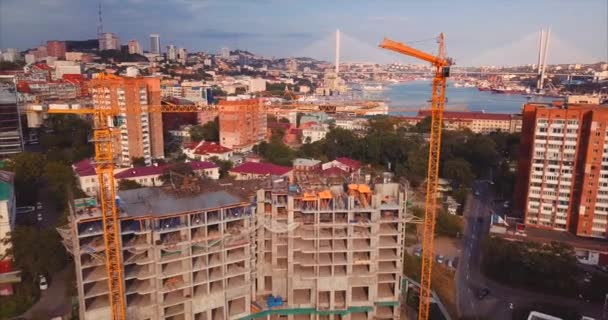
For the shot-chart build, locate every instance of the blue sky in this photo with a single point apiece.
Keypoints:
(498, 32)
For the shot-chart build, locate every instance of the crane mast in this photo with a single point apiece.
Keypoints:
(442, 71)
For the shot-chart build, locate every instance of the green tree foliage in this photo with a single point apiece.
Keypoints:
(545, 267)
(276, 152)
(125, 184)
(8, 65)
(210, 131)
(224, 166)
(119, 56)
(448, 225)
(65, 138)
(458, 170)
(36, 251)
(138, 161)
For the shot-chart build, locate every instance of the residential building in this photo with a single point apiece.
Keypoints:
(477, 121)
(141, 133)
(149, 176)
(306, 165)
(242, 123)
(351, 166)
(155, 43)
(563, 168)
(182, 55)
(66, 67)
(225, 53)
(257, 85)
(109, 41)
(11, 134)
(134, 47)
(171, 53)
(56, 49)
(314, 133)
(8, 209)
(205, 150)
(10, 55)
(30, 58)
(260, 170)
(219, 255)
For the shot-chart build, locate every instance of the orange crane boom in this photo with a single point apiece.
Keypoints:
(442, 71)
(103, 139)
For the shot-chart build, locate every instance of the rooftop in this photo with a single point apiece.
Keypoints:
(472, 115)
(261, 168)
(158, 202)
(354, 164)
(305, 162)
(206, 147)
(86, 168)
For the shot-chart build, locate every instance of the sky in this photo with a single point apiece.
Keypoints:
(478, 32)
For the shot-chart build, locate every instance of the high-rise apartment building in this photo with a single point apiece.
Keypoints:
(171, 53)
(242, 123)
(330, 252)
(563, 168)
(182, 55)
(109, 41)
(155, 43)
(141, 132)
(56, 49)
(134, 47)
(11, 134)
(225, 53)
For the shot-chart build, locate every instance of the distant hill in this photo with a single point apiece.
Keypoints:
(82, 45)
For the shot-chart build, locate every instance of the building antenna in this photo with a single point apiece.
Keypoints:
(100, 24)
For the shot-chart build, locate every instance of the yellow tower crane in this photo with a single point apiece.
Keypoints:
(442, 71)
(103, 139)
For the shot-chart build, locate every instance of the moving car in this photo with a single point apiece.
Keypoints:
(42, 283)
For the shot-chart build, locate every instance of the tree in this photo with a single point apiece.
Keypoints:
(138, 161)
(448, 225)
(210, 131)
(224, 166)
(423, 126)
(60, 180)
(36, 251)
(126, 184)
(283, 120)
(458, 170)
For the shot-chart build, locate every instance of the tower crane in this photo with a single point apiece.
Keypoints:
(442, 72)
(103, 139)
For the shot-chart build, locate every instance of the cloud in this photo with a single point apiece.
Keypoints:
(219, 34)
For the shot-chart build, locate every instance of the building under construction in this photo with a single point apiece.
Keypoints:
(330, 252)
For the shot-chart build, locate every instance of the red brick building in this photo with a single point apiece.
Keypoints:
(56, 49)
(563, 168)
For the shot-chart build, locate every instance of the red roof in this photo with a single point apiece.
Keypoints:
(353, 164)
(84, 168)
(261, 168)
(206, 147)
(199, 165)
(73, 78)
(334, 171)
(141, 172)
(472, 115)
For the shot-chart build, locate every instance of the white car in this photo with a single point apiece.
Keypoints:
(38, 205)
(39, 217)
(42, 283)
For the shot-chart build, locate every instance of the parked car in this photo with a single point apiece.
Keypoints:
(440, 258)
(481, 294)
(39, 216)
(418, 252)
(476, 193)
(506, 204)
(38, 205)
(42, 283)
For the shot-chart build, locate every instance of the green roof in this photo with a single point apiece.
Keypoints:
(6, 191)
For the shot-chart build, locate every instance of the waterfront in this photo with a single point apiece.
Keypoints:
(415, 95)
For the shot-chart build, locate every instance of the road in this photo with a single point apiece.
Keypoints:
(53, 301)
(469, 279)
